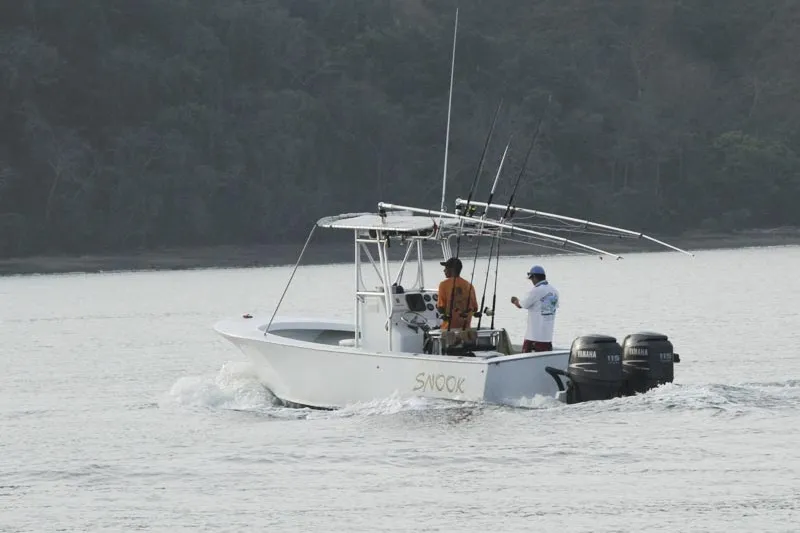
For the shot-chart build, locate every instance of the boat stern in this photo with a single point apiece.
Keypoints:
(521, 377)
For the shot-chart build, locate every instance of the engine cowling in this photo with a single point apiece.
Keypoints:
(595, 369)
(648, 361)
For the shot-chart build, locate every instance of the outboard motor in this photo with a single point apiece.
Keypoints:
(647, 361)
(595, 369)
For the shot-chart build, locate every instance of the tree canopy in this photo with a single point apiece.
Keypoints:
(131, 125)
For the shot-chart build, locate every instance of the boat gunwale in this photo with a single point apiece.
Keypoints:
(257, 334)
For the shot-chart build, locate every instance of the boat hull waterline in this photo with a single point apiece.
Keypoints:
(302, 362)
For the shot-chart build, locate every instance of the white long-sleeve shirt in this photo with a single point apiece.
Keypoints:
(542, 304)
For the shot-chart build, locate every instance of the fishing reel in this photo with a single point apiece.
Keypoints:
(470, 211)
(486, 312)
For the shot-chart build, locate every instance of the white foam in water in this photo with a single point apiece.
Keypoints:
(235, 386)
(537, 402)
(390, 406)
(738, 399)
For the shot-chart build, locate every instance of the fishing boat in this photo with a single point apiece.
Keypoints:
(395, 344)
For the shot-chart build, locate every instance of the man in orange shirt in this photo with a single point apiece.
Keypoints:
(464, 301)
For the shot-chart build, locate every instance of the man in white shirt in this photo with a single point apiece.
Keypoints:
(542, 304)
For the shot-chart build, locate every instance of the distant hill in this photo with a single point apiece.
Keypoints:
(137, 125)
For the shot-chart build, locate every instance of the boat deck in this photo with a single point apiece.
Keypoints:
(331, 337)
(337, 337)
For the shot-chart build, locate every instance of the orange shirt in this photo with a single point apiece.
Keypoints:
(464, 300)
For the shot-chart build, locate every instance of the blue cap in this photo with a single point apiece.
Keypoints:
(536, 269)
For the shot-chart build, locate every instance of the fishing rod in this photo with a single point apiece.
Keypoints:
(466, 211)
(496, 275)
(477, 175)
(497, 176)
(491, 195)
(527, 155)
(483, 217)
(505, 215)
(485, 283)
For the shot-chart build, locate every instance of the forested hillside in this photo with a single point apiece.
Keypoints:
(136, 124)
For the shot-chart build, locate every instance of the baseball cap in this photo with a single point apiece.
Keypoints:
(453, 262)
(536, 269)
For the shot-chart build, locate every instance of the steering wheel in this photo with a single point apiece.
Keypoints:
(414, 320)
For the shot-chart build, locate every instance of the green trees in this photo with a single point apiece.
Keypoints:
(129, 125)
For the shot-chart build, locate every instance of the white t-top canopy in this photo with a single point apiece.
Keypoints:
(392, 222)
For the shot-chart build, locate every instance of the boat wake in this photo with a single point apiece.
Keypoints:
(235, 387)
(719, 399)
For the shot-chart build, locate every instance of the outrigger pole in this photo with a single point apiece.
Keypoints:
(515, 229)
(511, 210)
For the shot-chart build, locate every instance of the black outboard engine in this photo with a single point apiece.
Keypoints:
(647, 361)
(595, 369)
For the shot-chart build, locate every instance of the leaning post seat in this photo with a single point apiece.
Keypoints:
(466, 341)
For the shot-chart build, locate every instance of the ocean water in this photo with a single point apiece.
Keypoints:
(122, 410)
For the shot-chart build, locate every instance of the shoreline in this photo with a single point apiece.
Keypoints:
(266, 255)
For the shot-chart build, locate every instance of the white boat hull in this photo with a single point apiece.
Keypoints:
(300, 370)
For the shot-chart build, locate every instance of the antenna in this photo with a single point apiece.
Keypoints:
(449, 107)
